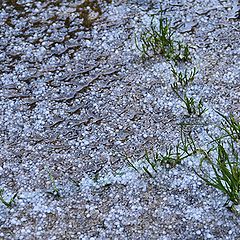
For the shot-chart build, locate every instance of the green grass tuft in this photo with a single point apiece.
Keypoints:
(182, 79)
(158, 39)
(231, 126)
(193, 108)
(226, 170)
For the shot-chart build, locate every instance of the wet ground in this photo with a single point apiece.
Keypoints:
(76, 98)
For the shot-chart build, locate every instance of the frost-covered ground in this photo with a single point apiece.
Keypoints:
(75, 101)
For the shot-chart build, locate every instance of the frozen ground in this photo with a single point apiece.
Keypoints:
(75, 100)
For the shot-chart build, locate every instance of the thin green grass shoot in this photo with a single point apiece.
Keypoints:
(193, 108)
(56, 191)
(9, 203)
(183, 79)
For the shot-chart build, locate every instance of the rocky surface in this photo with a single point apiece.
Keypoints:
(76, 99)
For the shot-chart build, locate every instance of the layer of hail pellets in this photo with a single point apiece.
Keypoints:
(80, 107)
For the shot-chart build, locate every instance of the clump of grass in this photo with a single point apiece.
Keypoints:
(181, 53)
(226, 167)
(169, 158)
(193, 108)
(151, 162)
(230, 126)
(158, 40)
(183, 79)
(9, 203)
(226, 170)
(172, 156)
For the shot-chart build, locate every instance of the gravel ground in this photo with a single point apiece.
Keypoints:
(75, 98)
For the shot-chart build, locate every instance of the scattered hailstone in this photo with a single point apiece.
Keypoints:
(87, 183)
(237, 208)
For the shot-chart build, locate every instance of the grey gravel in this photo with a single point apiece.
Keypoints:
(76, 101)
